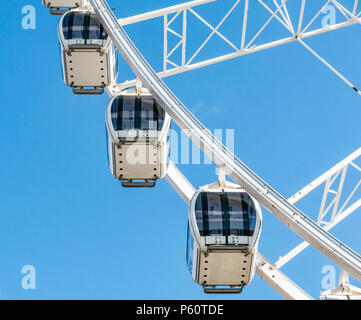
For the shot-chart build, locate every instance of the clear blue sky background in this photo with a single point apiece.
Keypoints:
(62, 212)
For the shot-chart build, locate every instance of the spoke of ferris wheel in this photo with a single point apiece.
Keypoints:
(329, 66)
(345, 12)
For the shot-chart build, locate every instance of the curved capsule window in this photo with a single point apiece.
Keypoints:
(190, 248)
(136, 112)
(83, 26)
(225, 214)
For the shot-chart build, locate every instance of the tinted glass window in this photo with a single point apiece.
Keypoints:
(133, 112)
(127, 108)
(107, 145)
(209, 214)
(237, 220)
(149, 114)
(95, 29)
(215, 213)
(190, 248)
(83, 26)
(225, 214)
(241, 212)
(201, 216)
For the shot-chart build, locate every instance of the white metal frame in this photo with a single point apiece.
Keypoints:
(334, 211)
(298, 32)
(313, 233)
(269, 198)
(296, 220)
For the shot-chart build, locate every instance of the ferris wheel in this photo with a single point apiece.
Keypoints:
(224, 218)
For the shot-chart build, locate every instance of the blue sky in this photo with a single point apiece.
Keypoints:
(62, 211)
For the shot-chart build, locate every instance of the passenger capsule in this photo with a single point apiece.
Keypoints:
(58, 7)
(224, 226)
(137, 139)
(89, 57)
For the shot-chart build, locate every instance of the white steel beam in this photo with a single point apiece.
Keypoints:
(355, 7)
(302, 246)
(264, 269)
(343, 78)
(300, 223)
(317, 182)
(278, 280)
(244, 28)
(179, 183)
(300, 19)
(214, 30)
(162, 12)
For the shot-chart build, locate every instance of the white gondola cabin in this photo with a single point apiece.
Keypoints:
(58, 7)
(224, 226)
(137, 139)
(89, 57)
